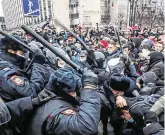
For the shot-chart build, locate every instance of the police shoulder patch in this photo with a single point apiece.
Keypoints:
(17, 80)
(68, 112)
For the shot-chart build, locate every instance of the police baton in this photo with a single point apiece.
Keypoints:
(117, 34)
(51, 48)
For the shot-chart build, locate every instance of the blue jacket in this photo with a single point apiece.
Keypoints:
(14, 84)
(154, 129)
(133, 72)
(52, 117)
(19, 110)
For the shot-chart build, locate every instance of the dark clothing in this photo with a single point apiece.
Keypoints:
(139, 106)
(110, 96)
(19, 110)
(135, 52)
(158, 68)
(132, 87)
(114, 54)
(14, 84)
(51, 119)
(83, 65)
(155, 57)
(13, 59)
(156, 64)
(131, 56)
(103, 75)
(154, 129)
(46, 36)
(151, 88)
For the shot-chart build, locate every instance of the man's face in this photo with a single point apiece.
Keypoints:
(158, 47)
(117, 93)
(127, 34)
(61, 63)
(126, 115)
(73, 94)
(17, 52)
(126, 51)
(82, 58)
(45, 30)
(111, 47)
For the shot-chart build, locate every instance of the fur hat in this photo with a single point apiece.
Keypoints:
(119, 82)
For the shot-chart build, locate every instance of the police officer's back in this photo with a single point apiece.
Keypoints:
(14, 113)
(59, 116)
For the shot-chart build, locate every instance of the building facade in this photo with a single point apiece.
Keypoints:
(119, 12)
(150, 13)
(2, 24)
(105, 12)
(85, 13)
(49, 9)
(14, 14)
(74, 13)
(60, 11)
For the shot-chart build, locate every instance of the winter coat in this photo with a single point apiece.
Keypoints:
(60, 117)
(154, 129)
(158, 68)
(14, 84)
(19, 110)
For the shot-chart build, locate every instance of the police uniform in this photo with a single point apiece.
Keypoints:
(15, 113)
(14, 85)
(58, 117)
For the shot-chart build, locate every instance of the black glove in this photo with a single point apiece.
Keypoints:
(128, 62)
(123, 58)
(102, 75)
(89, 78)
(150, 117)
(42, 98)
(39, 57)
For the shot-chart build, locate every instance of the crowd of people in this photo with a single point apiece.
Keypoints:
(120, 82)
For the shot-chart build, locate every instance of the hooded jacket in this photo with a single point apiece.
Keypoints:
(156, 63)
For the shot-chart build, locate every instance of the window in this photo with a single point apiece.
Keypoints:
(49, 3)
(44, 13)
(86, 19)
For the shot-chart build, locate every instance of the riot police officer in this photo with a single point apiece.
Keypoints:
(60, 116)
(14, 113)
(15, 84)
